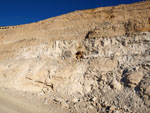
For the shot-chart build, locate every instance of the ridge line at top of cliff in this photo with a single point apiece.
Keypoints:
(84, 10)
(99, 22)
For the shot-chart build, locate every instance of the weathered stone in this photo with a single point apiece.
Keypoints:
(103, 64)
(64, 104)
(135, 78)
(75, 100)
(94, 99)
(67, 54)
(147, 90)
(45, 90)
(116, 85)
(146, 65)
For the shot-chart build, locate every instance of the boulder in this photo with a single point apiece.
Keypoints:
(134, 78)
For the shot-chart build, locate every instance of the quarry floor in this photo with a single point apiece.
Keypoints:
(12, 101)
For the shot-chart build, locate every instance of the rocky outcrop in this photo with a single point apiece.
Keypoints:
(90, 61)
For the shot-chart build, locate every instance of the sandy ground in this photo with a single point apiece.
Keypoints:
(16, 102)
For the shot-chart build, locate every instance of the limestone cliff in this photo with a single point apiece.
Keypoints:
(98, 57)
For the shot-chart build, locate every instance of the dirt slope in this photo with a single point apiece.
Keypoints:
(95, 60)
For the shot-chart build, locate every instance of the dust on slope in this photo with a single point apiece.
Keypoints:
(12, 101)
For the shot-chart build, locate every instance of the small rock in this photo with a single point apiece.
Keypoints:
(45, 101)
(104, 78)
(147, 91)
(45, 90)
(87, 88)
(117, 111)
(112, 108)
(103, 110)
(67, 54)
(64, 105)
(58, 100)
(134, 78)
(94, 99)
(41, 93)
(116, 85)
(75, 100)
(146, 65)
(91, 107)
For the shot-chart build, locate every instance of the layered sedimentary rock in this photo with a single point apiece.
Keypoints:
(97, 59)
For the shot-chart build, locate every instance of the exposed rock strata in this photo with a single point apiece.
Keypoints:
(94, 60)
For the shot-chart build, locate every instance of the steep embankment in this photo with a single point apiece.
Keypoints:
(96, 59)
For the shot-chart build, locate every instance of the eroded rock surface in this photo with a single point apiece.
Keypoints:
(94, 60)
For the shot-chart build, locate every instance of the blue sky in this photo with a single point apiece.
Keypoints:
(16, 12)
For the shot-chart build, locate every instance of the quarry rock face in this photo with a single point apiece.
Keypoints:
(98, 59)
